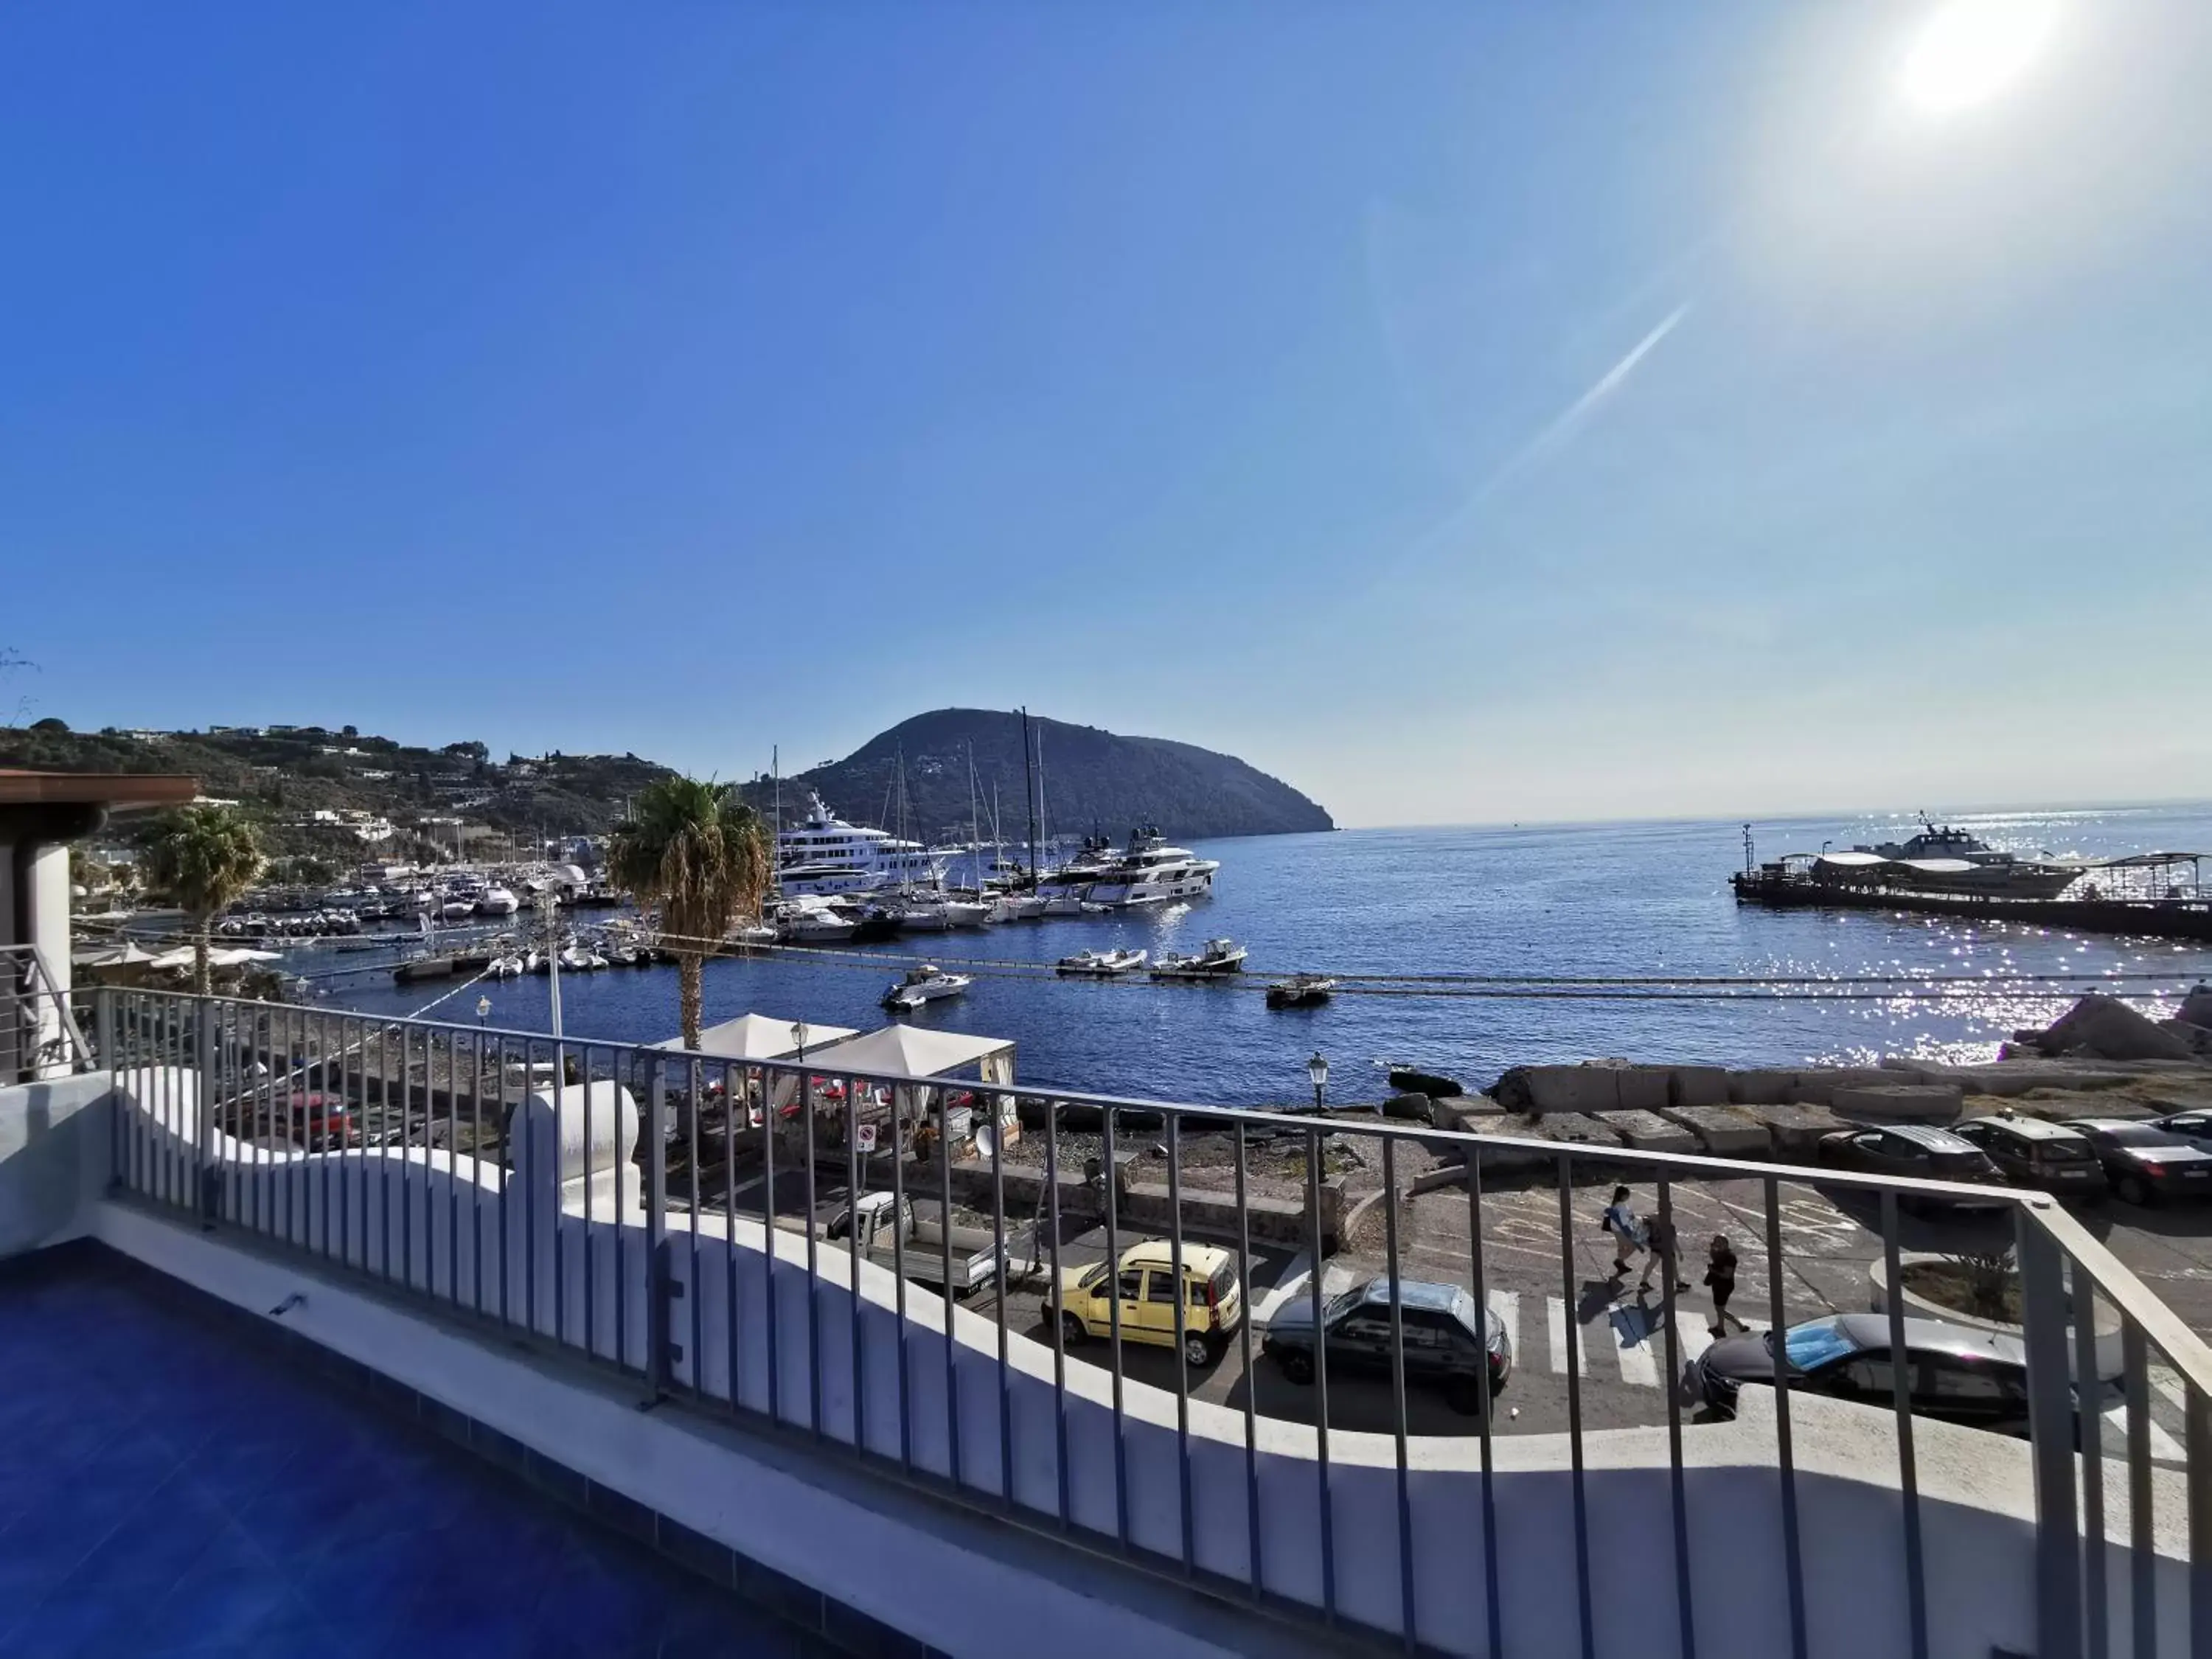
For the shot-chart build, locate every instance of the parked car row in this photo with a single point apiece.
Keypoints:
(2138, 1162)
(1448, 1344)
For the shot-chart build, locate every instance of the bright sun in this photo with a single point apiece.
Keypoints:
(1970, 48)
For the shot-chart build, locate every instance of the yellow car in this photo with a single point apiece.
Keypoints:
(1213, 1302)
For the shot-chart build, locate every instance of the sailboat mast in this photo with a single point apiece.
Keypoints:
(1028, 797)
(1044, 828)
(975, 824)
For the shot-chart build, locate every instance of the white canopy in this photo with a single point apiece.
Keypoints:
(221, 955)
(112, 953)
(758, 1036)
(911, 1051)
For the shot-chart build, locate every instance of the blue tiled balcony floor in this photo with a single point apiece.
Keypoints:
(168, 1488)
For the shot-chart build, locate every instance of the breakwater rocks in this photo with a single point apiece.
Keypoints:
(1781, 1114)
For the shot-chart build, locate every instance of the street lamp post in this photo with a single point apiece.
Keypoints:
(799, 1037)
(1317, 1069)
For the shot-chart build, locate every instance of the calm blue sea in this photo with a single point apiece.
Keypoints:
(1611, 900)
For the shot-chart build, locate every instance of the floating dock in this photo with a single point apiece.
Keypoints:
(2186, 917)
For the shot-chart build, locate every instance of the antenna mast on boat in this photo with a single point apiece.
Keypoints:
(1028, 797)
(1044, 828)
(975, 824)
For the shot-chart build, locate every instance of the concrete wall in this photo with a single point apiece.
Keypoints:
(748, 1322)
(54, 1160)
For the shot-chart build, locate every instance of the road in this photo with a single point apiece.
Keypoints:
(1618, 1347)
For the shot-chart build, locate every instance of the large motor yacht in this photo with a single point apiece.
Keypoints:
(826, 854)
(1941, 859)
(1152, 873)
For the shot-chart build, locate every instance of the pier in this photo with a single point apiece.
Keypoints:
(2186, 915)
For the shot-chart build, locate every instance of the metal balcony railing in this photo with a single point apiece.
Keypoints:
(39, 1037)
(497, 1175)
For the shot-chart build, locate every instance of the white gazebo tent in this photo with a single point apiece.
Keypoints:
(912, 1051)
(755, 1037)
(759, 1037)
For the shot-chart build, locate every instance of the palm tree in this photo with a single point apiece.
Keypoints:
(702, 856)
(205, 858)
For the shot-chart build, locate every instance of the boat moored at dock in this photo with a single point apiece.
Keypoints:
(1217, 959)
(1102, 964)
(1301, 991)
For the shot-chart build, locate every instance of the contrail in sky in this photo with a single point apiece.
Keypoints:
(1570, 420)
(1554, 436)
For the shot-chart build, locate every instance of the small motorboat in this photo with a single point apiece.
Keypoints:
(497, 901)
(927, 984)
(506, 968)
(1068, 903)
(1300, 991)
(1218, 959)
(1102, 964)
(967, 913)
(576, 959)
(750, 933)
(920, 917)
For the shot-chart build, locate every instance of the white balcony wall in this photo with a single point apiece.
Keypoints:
(544, 1248)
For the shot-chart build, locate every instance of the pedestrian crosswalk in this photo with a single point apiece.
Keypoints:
(1622, 1340)
(1626, 1341)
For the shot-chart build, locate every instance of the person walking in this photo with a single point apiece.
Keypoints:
(1720, 1279)
(1665, 1254)
(1620, 1220)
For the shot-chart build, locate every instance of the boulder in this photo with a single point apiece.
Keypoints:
(1697, 1085)
(1647, 1132)
(2196, 1007)
(1752, 1088)
(1818, 1088)
(2108, 1029)
(1472, 1112)
(1796, 1130)
(1542, 1089)
(1406, 1080)
(1642, 1088)
(2198, 1037)
(1725, 1131)
(1575, 1129)
(1413, 1108)
(1933, 1102)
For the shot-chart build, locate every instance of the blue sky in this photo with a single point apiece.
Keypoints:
(1467, 412)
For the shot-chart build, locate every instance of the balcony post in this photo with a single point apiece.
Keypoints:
(2055, 1419)
(658, 1281)
(211, 1083)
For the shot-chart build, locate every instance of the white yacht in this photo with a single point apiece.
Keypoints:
(826, 854)
(812, 919)
(497, 901)
(927, 984)
(1152, 873)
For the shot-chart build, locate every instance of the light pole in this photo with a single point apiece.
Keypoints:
(799, 1037)
(1317, 1069)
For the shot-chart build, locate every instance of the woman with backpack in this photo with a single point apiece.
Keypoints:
(1620, 1220)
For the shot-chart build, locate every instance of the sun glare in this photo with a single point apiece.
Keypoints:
(1971, 50)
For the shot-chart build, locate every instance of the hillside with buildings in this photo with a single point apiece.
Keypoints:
(334, 797)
